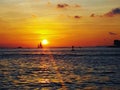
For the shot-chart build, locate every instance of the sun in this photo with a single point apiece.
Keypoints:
(44, 42)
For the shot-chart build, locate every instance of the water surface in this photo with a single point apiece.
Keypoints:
(60, 69)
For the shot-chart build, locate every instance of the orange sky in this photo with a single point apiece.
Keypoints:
(62, 22)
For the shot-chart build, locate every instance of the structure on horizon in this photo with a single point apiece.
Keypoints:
(40, 45)
(117, 43)
(73, 48)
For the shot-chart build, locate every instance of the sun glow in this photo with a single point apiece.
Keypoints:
(44, 42)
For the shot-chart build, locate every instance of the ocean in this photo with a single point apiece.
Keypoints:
(60, 69)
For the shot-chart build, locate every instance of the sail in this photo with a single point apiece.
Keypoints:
(40, 45)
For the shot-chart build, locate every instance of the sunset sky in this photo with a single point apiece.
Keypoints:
(62, 22)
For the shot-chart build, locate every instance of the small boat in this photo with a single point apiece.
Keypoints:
(73, 48)
(40, 45)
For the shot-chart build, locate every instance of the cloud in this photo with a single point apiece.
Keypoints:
(77, 17)
(65, 5)
(112, 33)
(77, 6)
(4, 25)
(62, 5)
(113, 12)
(92, 15)
(34, 16)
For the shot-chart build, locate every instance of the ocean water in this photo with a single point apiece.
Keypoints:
(60, 69)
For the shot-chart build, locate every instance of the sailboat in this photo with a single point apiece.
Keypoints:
(40, 45)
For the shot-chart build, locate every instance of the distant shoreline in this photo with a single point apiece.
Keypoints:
(61, 47)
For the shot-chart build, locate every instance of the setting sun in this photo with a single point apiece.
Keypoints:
(44, 42)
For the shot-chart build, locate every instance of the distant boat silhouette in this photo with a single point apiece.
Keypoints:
(40, 45)
(19, 47)
(73, 48)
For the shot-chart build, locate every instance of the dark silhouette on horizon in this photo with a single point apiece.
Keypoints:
(19, 47)
(73, 48)
(40, 45)
(117, 43)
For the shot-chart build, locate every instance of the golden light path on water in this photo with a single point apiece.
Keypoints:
(59, 69)
(55, 67)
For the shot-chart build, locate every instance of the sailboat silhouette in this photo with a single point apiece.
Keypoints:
(40, 45)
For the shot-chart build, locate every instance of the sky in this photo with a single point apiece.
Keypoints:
(62, 22)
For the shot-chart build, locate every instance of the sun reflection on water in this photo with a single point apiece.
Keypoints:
(49, 72)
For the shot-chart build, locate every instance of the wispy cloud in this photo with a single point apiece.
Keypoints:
(78, 6)
(112, 33)
(34, 16)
